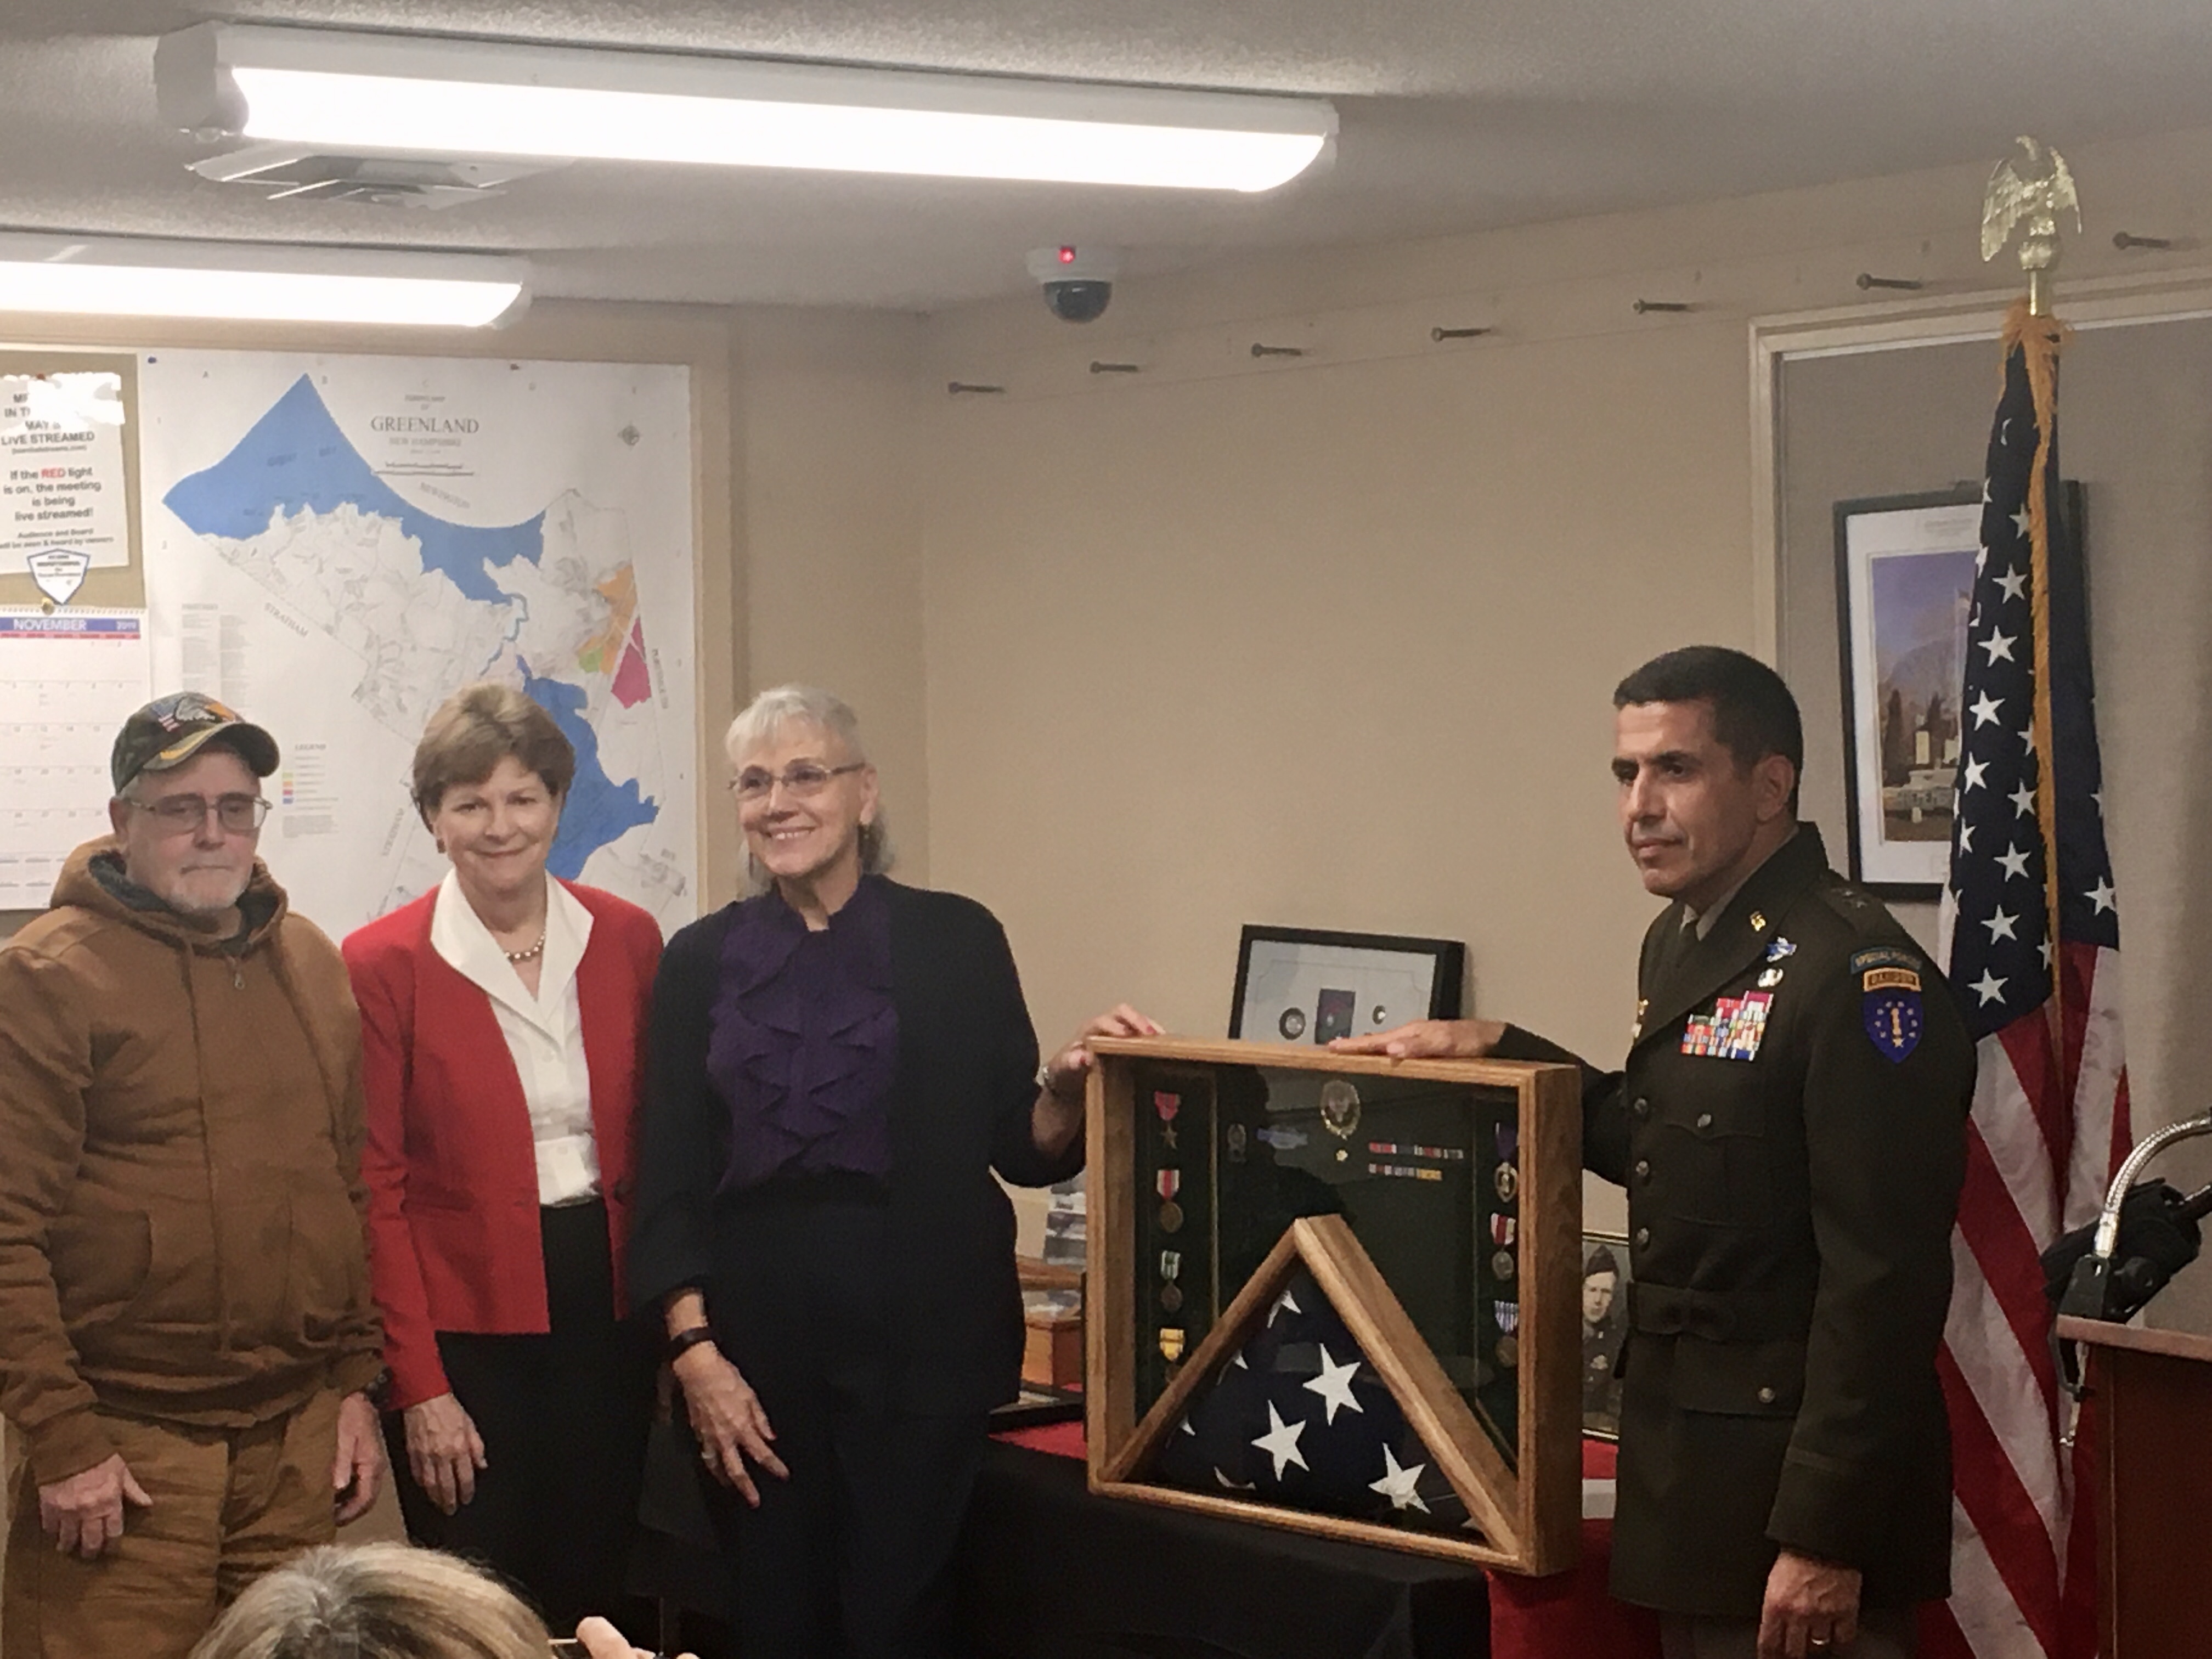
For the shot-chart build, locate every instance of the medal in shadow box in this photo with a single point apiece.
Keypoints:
(1339, 1295)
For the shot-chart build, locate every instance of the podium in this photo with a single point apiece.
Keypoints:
(2151, 1397)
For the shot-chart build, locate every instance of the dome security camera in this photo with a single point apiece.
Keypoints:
(1077, 282)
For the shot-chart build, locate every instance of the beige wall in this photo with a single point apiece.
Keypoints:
(1329, 641)
(829, 408)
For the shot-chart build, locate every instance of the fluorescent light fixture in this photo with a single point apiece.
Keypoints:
(251, 282)
(352, 92)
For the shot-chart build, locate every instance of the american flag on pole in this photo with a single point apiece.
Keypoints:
(2033, 951)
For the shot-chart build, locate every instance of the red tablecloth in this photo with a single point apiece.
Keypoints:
(1567, 1616)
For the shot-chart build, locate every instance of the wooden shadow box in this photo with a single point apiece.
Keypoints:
(1339, 1294)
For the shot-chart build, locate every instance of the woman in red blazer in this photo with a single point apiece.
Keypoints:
(503, 1015)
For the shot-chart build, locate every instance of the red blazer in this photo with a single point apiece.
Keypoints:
(450, 1164)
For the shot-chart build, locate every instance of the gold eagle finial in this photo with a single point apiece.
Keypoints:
(2035, 191)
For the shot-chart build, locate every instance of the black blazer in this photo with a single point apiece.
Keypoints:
(959, 1109)
(1789, 1221)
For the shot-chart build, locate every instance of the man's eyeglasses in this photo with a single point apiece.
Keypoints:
(802, 780)
(183, 815)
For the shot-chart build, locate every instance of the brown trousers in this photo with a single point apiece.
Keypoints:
(229, 1506)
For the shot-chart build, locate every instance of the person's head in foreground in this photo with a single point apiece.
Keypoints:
(1707, 747)
(387, 1601)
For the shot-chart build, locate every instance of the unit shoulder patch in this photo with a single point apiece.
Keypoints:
(1885, 956)
(1889, 1002)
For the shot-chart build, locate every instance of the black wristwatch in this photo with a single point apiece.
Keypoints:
(686, 1340)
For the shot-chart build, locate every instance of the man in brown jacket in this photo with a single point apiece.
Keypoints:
(186, 1338)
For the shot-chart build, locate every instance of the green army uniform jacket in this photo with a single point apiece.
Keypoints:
(1790, 1126)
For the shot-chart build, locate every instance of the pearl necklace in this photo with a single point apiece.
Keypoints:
(520, 956)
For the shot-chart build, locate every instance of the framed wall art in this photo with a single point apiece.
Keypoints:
(1604, 1303)
(1905, 578)
(1305, 986)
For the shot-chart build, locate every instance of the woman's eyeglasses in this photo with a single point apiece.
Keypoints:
(802, 780)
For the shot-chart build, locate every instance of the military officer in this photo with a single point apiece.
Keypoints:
(1791, 1128)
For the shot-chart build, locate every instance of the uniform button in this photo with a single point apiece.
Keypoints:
(1644, 1169)
(1640, 1107)
(1643, 1236)
(1766, 1396)
(1704, 1120)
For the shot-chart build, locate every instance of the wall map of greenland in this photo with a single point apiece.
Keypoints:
(334, 543)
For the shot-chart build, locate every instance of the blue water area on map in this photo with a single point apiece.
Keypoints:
(296, 458)
(598, 811)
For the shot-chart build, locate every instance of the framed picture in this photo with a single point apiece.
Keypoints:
(1904, 577)
(1605, 1323)
(1303, 985)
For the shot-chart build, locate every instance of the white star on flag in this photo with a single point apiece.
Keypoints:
(1974, 770)
(1283, 1301)
(1985, 711)
(2020, 521)
(1334, 1385)
(2027, 738)
(1281, 1441)
(2023, 800)
(1966, 835)
(2102, 896)
(1397, 1484)
(1233, 1486)
(1989, 986)
(2001, 926)
(2000, 644)
(2014, 583)
(2014, 862)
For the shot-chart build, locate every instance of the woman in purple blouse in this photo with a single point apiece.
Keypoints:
(838, 1065)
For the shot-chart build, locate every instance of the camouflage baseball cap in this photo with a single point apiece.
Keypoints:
(169, 731)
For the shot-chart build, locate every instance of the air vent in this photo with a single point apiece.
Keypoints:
(283, 172)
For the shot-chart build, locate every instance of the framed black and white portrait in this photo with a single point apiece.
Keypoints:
(1605, 1325)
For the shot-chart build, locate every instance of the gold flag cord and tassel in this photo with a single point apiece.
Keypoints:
(2040, 339)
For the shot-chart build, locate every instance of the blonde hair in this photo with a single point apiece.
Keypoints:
(781, 706)
(478, 727)
(375, 1602)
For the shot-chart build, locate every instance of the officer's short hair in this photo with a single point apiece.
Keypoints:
(1754, 713)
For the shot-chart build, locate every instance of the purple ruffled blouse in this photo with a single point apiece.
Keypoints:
(804, 1045)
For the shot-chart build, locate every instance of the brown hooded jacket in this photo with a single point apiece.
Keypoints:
(180, 1194)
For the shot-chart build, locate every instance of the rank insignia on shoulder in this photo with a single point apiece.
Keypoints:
(1769, 978)
(1890, 1006)
(1778, 948)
